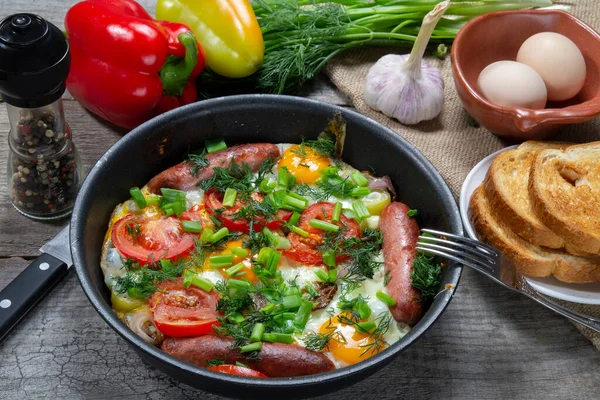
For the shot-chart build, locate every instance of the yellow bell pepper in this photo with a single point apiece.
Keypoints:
(227, 30)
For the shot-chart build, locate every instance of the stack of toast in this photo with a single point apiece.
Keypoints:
(540, 206)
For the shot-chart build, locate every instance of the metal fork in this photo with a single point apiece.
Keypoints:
(490, 262)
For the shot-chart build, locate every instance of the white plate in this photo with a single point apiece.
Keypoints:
(586, 293)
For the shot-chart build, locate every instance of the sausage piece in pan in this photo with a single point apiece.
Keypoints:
(181, 177)
(274, 360)
(400, 235)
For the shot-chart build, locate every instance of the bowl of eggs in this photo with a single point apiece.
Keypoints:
(523, 74)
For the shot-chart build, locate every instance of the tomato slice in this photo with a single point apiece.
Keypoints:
(181, 312)
(151, 238)
(193, 214)
(214, 205)
(237, 370)
(304, 249)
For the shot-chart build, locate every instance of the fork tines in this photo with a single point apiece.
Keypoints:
(460, 249)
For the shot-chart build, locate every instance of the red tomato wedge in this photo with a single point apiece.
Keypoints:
(304, 249)
(147, 239)
(214, 201)
(181, 312)
(237, 370)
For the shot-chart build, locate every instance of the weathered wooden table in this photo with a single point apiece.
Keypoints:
(490, 343)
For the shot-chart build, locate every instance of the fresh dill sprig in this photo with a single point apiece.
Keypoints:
(197, 162)
(323, 145)
(234, 176)
(320, 341)
(142, 282)
(377, 340)
(215, 362)
(426, 276)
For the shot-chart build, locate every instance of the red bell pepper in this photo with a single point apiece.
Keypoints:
(127, 67)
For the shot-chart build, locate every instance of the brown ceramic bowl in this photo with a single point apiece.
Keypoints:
(497, 36)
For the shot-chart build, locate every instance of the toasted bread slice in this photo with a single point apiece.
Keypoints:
(529, 259)
(507, 189)
(565, 193)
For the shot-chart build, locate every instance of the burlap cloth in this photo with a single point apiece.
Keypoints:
(449, 141)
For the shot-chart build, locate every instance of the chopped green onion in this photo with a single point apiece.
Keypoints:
(206, 235)
(294, 219)
(349, 213)
(278, 338)
(251, 347)
(172, 195)
(303, 314)
(266, 186)
(359, 192)
(360, 209)
(328, 256)
(292, 203)
(332, 275)
(365, 327)
(337, 211)
(238, 284)
(240, 252)
(274, 261)
(213, 146)
(264, 255)
(282, 243)
(269, 235)
(283, 177)
(202, 283)
(322, 275)
(299, 231)
(239, 364)
(152, 199)
(291, 290)
(257, 332)
(385, 298)
(229, 197)
(412, 213)
(363, 310)
(236, 317)
(359, 178)
(290, 302)
(192, 226)
(168, 210)
(297, 196)
(220, 261)
(165, 263)
(138, 197)
(218, 235)
(268, 308)
(178, 208)
(277, 197)
(324, 225)
(187, 278)
(233, 271)
(311, 290)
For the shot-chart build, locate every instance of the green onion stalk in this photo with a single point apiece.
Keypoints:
(302, 35)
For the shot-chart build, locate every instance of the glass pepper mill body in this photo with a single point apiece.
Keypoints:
(44, 170)
(43, 164)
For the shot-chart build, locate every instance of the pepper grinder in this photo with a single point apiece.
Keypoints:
(43, 166)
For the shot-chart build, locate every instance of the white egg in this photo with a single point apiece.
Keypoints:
(193, 197)
(558, 61)
(512, 84)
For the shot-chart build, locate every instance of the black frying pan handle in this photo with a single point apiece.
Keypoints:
(28, 289)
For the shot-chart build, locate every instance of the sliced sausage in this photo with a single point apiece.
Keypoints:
(181, 177)
(400, 235)
(274, 360)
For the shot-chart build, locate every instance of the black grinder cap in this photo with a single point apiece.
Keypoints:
(34, 61)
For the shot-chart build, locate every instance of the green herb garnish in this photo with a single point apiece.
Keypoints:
(426, 276)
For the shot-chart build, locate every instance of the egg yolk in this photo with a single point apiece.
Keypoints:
(245, 273)
(304, 163)
(348, 345)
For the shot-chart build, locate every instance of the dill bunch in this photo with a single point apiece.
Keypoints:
(302, 35)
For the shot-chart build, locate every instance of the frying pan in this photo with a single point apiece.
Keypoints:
(164, 141)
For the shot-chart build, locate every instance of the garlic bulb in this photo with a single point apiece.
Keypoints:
(404, 86)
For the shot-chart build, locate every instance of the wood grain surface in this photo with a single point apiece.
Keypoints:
(489, 344)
